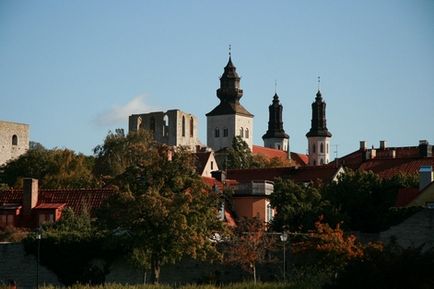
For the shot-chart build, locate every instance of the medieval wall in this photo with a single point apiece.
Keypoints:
(173, 127)
(14, 140)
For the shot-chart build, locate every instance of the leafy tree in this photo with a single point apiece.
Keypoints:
(119, 152)
(249, 245)
(163, 206)
(239, 155)
(364, 200)
(69, 247)
(54, 168)
(391, 267)
(297, 206)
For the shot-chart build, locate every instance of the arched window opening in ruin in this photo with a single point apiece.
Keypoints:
(14, 140)
(191, 126)
(166, 125)
(152, 124)
(183, 125)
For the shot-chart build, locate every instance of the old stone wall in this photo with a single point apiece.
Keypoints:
(14, 140)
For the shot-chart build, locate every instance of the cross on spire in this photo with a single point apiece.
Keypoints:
(230, 50)
(319, 81)
(275, 86)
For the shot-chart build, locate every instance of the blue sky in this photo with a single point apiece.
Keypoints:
(74, 70)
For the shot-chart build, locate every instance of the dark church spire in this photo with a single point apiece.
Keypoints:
(229, 92)
(319, 122)
(275, 123)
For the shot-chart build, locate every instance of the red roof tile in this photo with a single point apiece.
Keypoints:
(387, 168)
(50, 206)
(270, 153)
(300, 159)
(77, 199)
(299, 175)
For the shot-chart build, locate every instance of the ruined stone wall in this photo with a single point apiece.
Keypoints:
(14, 140)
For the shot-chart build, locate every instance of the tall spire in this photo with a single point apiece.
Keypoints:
(230, 91)
(318, 122)
(275, 123)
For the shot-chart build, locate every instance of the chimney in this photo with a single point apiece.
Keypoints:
(425, 149)
(383, 144)
(363, 145)
(425, 176)
(30, 195)
(219, 175)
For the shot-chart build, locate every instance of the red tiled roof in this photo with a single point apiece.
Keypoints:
(50, 206)
(270, 153)
(300, 159)
(299, 175)
(387, 168)
(230, 219)
(77, 199)
(405, 196)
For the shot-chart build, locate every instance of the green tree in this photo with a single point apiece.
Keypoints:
(163, 207)
(55, 168)
(364, 200)
(249, 245)
(239, 155)
(297, 206)
(69, 248)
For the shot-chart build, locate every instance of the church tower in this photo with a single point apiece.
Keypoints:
(229, 118)
(275, 137)
(319, 136)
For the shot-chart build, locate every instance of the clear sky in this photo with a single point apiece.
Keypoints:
(74, 70)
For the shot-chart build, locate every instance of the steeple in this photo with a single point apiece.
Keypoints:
(229, 118)
(229, 92)
(318, 122)
(318, 136)
(275, 123)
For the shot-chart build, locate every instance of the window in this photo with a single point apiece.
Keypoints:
(322, 161)
(166, 125)
(313, 148)
(139, 123)
(314, 162)
(152, 124)
(191, 126)
(212, 165)
(241, 132)
(225, 132)
(14, 140)
(321, 148)
(247, 132)
(278, 146)
(327, 148)
(217, 132)
(269, 213)
(183, 125)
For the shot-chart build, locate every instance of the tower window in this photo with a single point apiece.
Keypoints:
(247, 132)
(152, 124)
(241, 132)
(313, 148)
(327, 148)
(217, 132)
(321, 148)
(14, 140)
(166, 125)
(191, 126)
(322, 161)
(314, 162)
(225, 132)
(139, 123)
(183, 125)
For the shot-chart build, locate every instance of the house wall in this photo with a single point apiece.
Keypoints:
(8, 150)
(250, 206)
(427, 196)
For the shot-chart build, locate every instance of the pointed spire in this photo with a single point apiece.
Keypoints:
(318, 122)
(318, 94)
(275, 123)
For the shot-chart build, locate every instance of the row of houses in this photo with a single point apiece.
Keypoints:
(32, 206)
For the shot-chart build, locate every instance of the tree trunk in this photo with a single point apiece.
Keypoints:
(155, 270)
(254, 273)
